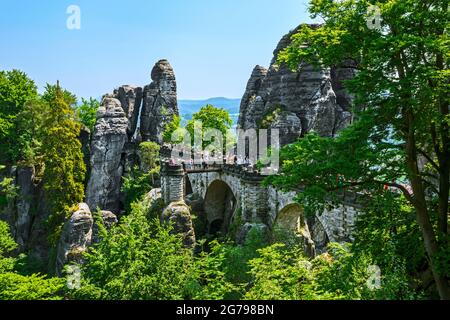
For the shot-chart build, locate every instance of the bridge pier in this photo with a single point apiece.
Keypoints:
(254, 199)
(172, 183)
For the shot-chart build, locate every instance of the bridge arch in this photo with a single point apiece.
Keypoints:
(187, 186)
(220, 203)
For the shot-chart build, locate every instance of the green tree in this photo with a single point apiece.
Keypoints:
(170, 128)
(149, 156)
(64, 167)
(211, 117)
(87, 112)
(15, 89)
(401, 91)
(209, 280)
(281, 274)
(30, 129)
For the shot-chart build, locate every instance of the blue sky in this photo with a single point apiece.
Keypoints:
(213, 45)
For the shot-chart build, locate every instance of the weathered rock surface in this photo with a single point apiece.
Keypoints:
(130, 98)
(85, 140)
(289, 126)
(179, 214)
(115, 140)
(108, 141)
(26, 216)
(159, 102)
(24, 204)
(315, 96)
(75, 238)
(154, 195)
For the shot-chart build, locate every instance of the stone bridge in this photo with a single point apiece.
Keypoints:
(224, 195)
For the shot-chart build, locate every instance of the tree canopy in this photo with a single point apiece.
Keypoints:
(400, 138)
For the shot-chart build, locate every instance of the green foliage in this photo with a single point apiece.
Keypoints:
(142, 179)
(55, 92)
(279, 275)
(15, 90)
(137, 259)
(355, 160)
(31, 129)
(170, 128)
(269, 117)
(221, 269)
(87, 112)
(211, 118)
(137, 184)
(7, 244)
(8, 190)
(209, 275)
(14, 286)
(63, 160)
(149, 156)
(46, 134)
(401, 107)
(237, 257)
(348, 274)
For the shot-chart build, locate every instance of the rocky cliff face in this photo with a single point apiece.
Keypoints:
(130, 98)
(79, 232)
(298, 101)
(27, 215)
(76, 236)
(179, 215)
(126, 117)
(159, 103)
(108, 141)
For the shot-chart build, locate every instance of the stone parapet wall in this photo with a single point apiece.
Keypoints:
(259, 204)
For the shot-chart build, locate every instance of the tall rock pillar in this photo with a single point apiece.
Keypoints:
(109, 138)
(159, 102)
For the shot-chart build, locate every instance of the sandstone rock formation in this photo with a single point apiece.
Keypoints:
(130, 98)
(179, 214)
(26, 215)
(309, 99)
(75, 238)
(125, 117)
(159, 102)
(108, 141)
(154, 195)
(79, 232)
(24, 204)
(289, 126)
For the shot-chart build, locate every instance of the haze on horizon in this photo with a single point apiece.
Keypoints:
(212, 45)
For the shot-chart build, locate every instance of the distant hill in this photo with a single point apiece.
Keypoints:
(189, 107)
